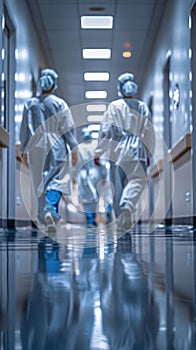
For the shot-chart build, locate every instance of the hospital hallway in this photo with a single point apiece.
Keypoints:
(84, 289)
(97, 175)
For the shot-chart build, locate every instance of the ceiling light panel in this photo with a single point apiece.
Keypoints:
(96, 22)
(95, 118)
(96, 76)
(96, 53)
(93, 127)
(96, 108)
(96, 94)
(94, 135)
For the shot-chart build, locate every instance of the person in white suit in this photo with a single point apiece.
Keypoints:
(47, 135)
(93, 182)
(127, 140)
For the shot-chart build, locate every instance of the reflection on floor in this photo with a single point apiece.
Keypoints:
(88, 289)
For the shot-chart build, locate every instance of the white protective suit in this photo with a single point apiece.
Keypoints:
(47, 135)
(127, 140)
(93, 180)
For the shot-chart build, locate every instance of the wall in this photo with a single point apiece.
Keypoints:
(29, 59)
(23, 198)
(173, 40)
(29, 56)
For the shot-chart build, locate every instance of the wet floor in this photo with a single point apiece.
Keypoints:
(93, 290)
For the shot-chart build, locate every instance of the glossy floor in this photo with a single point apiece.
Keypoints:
(99, 291)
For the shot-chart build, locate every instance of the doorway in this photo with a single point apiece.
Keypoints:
(8, 155)
(193, 87)
(168, 140)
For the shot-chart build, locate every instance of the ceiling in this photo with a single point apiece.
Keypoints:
(57, 23)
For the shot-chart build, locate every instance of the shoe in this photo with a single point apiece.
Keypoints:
(50, 223)
(91, 224)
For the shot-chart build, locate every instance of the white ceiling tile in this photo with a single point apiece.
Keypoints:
(53, 23)
(135, 10)
(62, 10)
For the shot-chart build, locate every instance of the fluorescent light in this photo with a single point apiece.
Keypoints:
(96, 53)
(94, 127)
(3, 54)
(96, 94)
(94, 135)
(19, 77)
(95, 118)
(93, 76)
(18, 117)
(96, 108)
(96, 22)
(3, 22)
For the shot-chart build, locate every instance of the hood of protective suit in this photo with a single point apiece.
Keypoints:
(126, 85)
(48, 79)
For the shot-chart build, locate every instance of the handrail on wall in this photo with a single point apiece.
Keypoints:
(177, 151)
(18, 154)
(156, 169)
(181, 147)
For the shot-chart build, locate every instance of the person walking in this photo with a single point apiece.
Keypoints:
(93, 183)
(47, 135)
(127, 140)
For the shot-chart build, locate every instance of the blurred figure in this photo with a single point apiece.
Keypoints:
(48, 310)
(93, 182)
(127, 140)
(59, 312)
(47, 135)
(96, 298)
(129, 311)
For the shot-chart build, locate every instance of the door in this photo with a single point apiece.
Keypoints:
(8, 155)
(193, 87)
(168, 141)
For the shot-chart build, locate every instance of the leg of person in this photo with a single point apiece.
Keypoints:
(90, 213)
(109, 213)
(51, 209)
(133, 186)
(41, 205)
(119, 181)
(90, 218)
(117, 177)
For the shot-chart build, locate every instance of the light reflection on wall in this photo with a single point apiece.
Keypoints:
(3, 54)
(23, 94)
(23, 83)
(21, 54)
(158, 111)
(3, 22)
